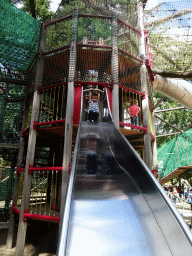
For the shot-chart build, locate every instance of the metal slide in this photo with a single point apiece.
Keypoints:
(177, 89)
(122, 210)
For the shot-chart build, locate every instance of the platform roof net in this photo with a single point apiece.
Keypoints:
(94, 29)
(19, 37)
(125, 9)
(175, 153)
(169, 27)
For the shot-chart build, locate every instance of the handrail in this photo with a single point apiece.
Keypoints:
(65, 221)
(93, 90)
(110, 114)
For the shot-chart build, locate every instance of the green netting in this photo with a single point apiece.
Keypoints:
(11, 110)
(175, 153)
(19, 37)
(6, 187)
(169, 27)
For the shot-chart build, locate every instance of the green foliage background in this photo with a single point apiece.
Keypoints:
(179, 118)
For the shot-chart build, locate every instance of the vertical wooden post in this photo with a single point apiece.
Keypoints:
(69, 111)
(154, 147)
(114, 72)
(9, 243)
(101, 108)
(21, 235)
(144, 87)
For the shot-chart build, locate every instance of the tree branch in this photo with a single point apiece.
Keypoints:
(32, 8)
(183, 75)
(168, 123)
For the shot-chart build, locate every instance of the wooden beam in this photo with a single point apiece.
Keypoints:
(9, 145)
(16, 99)
(10, 235)
(13, 81)
(168, 123)
(22, 229)
(144, 87)
(157, 104)
(168, 134)
(174, 173)
(114, 72)
(169, 109)
(174, 75)
(69, 112)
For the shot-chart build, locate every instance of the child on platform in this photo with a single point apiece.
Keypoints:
(134, 112)
(93, 111)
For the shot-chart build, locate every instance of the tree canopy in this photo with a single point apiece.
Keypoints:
(180, 118)
(39, 9)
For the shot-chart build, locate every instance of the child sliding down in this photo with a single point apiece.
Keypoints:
(93, 111)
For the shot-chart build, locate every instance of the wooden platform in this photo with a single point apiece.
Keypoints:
(134, 136)
(175, 173)
(9, 145)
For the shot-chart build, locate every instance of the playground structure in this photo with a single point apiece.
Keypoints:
(85, 48)
(175, 157)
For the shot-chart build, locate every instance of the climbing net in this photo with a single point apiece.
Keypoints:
(19, 37)
(169, 28)
(11, 111)
(175, 153)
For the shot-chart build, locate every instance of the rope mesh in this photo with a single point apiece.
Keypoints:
(11, 110)
(19, 37)
(169, 27)
(175, 153)
(6, 185)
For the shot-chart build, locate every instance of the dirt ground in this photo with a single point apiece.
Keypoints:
(185, 211)
(43, 241)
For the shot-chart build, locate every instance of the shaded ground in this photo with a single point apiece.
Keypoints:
(41, 239)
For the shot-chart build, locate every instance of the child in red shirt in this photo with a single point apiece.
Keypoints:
(134, 112)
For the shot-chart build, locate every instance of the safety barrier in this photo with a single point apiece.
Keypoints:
(44, 195)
